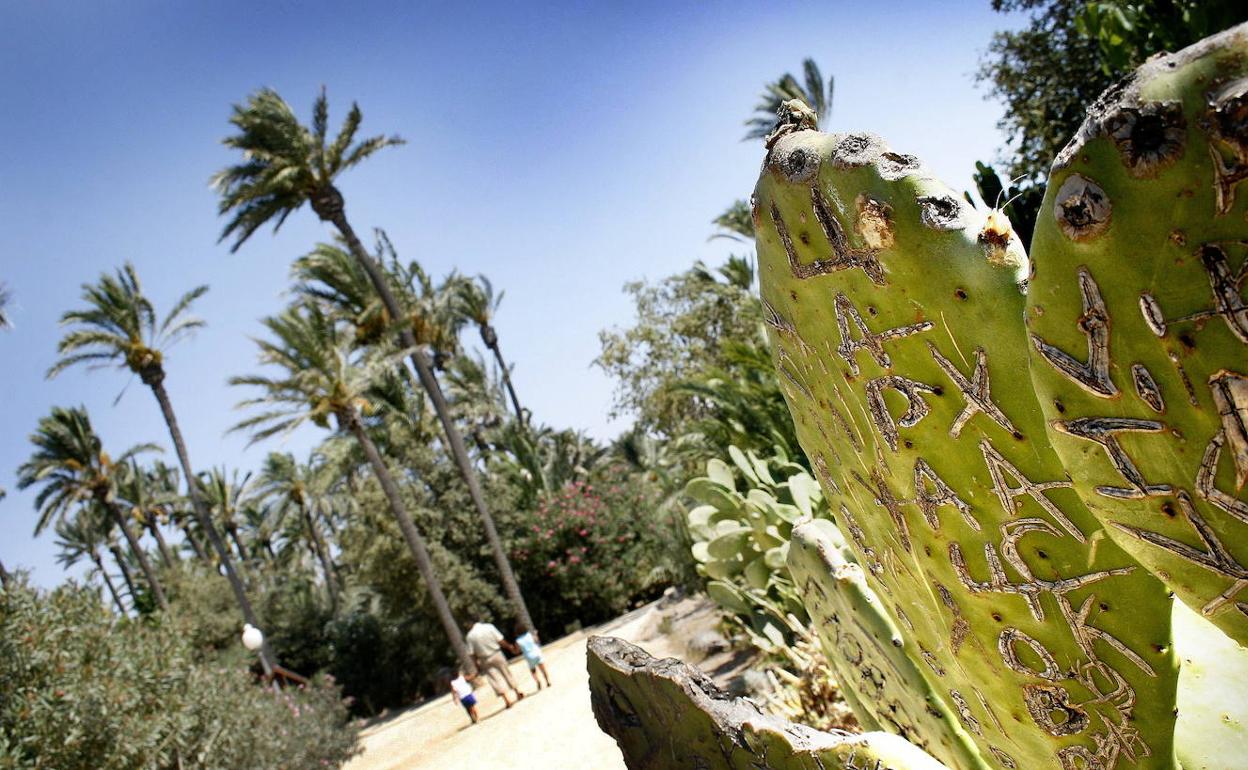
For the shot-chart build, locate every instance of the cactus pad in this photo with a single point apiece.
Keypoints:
(1139, 323)
(665, 715)
(894, 312)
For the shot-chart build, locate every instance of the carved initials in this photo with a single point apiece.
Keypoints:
(843, 257)
(931, 492)
(998, 467)
(1101, 430)
(884, 497)
(976, 391)
(1094, 375)
(916, 408)
(869, 341)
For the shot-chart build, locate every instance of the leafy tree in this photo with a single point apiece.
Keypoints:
(286, 164)
(88, 691)
(810, 89)
(120, 324)
(682, 325)
(70, 466)
(1047, 73)
(318, 382)
(4, 301)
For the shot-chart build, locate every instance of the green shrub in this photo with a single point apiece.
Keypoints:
(83, 690)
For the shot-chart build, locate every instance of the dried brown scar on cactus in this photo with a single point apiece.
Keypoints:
(1102, 430)
(1082, 208)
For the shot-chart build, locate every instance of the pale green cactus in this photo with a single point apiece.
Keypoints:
(1139, 323)
(665, 715)
(894, 312)
(876, 666)
(1212, 728)
(741, 536)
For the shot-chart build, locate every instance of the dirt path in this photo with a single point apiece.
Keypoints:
(551, 729)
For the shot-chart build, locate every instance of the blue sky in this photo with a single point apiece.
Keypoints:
(562, 150)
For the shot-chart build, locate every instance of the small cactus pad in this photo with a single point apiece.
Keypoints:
(1139, 323)
(876, 667)
(1212, 728)
(665, 715)
(894, 313)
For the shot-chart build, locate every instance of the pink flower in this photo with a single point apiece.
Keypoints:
(575, 560)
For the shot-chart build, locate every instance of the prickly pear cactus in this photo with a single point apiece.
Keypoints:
(1212, 728)
(894, 316)
(740, 539)
(1139, 323)
(666, 715)
(876, 666)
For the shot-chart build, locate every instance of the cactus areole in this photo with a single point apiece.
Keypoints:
(1139, 325)
(895, 314)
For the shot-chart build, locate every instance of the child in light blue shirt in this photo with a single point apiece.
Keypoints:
(532, 652)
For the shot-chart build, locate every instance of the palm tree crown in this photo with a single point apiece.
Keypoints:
(788, 87)
(286, 163)
(120, 324)
(70, 463)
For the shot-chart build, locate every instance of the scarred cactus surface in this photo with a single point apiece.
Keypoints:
(1139, 323)
(876, 666)
(895, 316)
(666, 715)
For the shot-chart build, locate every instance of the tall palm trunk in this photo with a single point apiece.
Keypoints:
(165, 555)
(238, 544)
(136, 548)
(414, 541)
(490, 337)
(112, 589)
(124, 568)
(189, 534)
(157, 385)
(322, 555)
(329, 206)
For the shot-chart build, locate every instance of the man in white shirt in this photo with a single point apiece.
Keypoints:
(485, 643)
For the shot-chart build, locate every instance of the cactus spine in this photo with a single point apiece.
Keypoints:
(894, 317)
(1139, 324)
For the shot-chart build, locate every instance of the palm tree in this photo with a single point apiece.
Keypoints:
(4, 574)
(70, 464)
(136, 491)
(320, 382)
(286, 164)
(292, 485)
(226, 496)
(81, 537)
(475, 301)
(4, 301)
(736, 223)
(174, 505)
(776, 93)
(120, 325)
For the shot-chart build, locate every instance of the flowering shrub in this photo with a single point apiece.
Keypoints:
(591, 550)
(83, 690)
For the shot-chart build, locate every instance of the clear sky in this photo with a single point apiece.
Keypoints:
(562, 150)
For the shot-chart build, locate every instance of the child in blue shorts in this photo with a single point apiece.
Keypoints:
(462, 688)
(532, 652)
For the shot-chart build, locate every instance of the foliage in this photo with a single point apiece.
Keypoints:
(682, 323)
(591, 551)
(85, 691)
(1127, 33)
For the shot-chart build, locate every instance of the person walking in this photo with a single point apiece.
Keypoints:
(530, 647)
(486, 643)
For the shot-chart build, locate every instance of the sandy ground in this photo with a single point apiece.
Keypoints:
(550, 729)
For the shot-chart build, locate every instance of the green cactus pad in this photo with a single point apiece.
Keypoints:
(665, 715)
(1139, 323)
(876, 667)
(1212, 728)
(894, 311)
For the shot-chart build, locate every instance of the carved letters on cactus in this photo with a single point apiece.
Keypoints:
(1101, 430)
(872, 342)
(998, 467)
(916, 408)
(976, 390)
(1094, 375)
(1226, 287)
